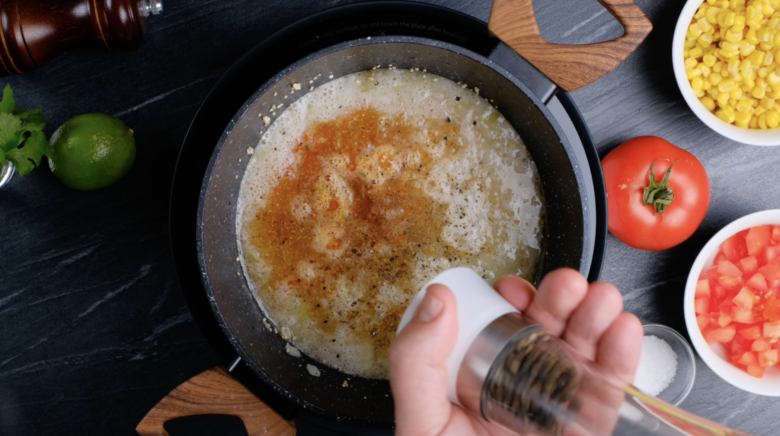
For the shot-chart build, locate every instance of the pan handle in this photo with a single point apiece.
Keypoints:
(215, 392)
(570, 66)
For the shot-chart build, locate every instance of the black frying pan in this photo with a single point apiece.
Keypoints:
(567, 184)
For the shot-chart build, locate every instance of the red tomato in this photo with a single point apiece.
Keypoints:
(751, 333)
(723, 334)
(626, 173)
(760, 345)
(771, 271)
(755, 371)
(728, 269)
(758, 282)
(748, 265)
(702, 289)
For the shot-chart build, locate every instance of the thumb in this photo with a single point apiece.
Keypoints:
(418, 372)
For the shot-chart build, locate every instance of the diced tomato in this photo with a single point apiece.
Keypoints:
(719, 291)
(748, 265)
(702, 305)
(734, 248)
(755, 371)
(771, 329)
(724, 319)
(776, 234)
(771, 270)
(702, 288)
(769, 254)
(758, 282)
(774, 284)
(703, 321)
(757, 238)
(745, 298)
(760, 345)
(713, 273)
(728, 269)
(744, 316)
(731, 283)
(748, 358)
(720, 257)
(751, 333)
(767, 358)
(772, 310)
(723, 334)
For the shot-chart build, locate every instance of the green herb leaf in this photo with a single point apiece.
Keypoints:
(8, 105)
(22, 140)
(10, 131)
(29, 156)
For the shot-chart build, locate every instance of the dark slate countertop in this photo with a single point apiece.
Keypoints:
(94, 329)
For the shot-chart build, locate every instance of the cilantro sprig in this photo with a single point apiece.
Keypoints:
(22, 141)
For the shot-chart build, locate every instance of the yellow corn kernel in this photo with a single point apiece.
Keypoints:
(694, 30)
(709, 60)
(693, 73)
(736, 94)
(769, 59)
(753, 102)
(750, 74)
(695, 53)
(757, 58)
(726, 86)
(717, 67)
(739, 24)
(764, 46)
(715, 78)
(761, 82)
(712, 15)
(753, 16)
(732, 36)
(707, 85)
(758, 92)
(767, 103)
(762, 122)
(753, 124)
(704, 25)
(745, 48)
(748, 84)
(768, 9)
(700, 93)
(773, 22)
(722, 99)
(772, 119)
(705, 70)
(733, 66)
(731, 102)
(704, 40)
(744, 106)
(773, 79)
(690, 64)
(773, 94)
(751, 37)
(744, 66)
(709, 103)
(763, 34)
(776, 40)
(697, 83)
(728, 19)
(726, 114)
(742, 119)
(759, 111)
(762, 72)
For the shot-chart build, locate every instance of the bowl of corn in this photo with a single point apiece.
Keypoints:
(726, 58)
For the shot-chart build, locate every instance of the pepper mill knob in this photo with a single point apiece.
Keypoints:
(32, 32)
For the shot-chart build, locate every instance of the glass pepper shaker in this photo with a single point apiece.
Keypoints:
(509, 371)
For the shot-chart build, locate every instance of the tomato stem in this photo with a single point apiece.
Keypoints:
(658, 194)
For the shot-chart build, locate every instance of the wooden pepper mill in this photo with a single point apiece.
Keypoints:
(33, 32)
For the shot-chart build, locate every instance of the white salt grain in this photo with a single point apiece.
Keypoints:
(657, 366)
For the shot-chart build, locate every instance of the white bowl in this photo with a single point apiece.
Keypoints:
(767, 137)
(715, 356)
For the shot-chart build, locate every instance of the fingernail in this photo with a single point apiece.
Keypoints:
(430, 308)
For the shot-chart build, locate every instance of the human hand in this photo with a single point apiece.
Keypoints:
(590, 318)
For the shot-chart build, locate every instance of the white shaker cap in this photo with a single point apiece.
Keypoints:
(478, 305)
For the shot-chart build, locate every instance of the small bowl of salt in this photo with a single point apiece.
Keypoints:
(667, 367)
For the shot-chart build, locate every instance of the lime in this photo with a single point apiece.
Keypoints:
(92, 151)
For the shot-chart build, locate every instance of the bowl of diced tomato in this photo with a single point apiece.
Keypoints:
(732, 303)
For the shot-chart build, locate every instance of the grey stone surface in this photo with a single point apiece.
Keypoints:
(93, 327)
